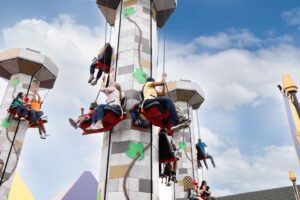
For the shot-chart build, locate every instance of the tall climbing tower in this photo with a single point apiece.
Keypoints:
(188, 96)
(136, 22)
(25, 69)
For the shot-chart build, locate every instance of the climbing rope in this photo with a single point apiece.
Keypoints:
(129, 169)
(190, 132)
(110, 132)
(17, 156)
(199, 135)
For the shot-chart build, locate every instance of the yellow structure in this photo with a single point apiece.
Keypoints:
(19, 190)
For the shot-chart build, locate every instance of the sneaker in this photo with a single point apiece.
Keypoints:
(73, 123)
(94, 82)
(97, 126)
(178, 127)
(22, 118)
(91, 79)
(168, 184)
(43, 137)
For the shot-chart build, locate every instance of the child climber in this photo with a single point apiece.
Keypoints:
(113, 99)
(84, 117)
(19, 104)
(103, 63)
(150, 94)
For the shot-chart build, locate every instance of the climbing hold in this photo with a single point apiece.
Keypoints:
(99, 195)
(15, 82)
(182, 145)
(135, 149)
(140, 76)
(5, 123)
(127, 12)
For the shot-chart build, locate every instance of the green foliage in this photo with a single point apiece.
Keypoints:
(15, 82)
(127, 12)
(140, 76)
(182, 145)
(135, 149)
(5, 123)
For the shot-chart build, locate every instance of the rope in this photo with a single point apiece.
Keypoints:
(151, 130)
(17, 156)
(190, 132)
(129, 169)
(139, 42)
(117, 58)
(199, 135)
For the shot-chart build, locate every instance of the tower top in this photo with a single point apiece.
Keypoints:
(29, 62)
(164, 9)
(186, 91)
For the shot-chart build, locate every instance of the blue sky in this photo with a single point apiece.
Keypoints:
(236, 50)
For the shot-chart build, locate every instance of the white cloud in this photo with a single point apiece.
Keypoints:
(234, 77)
(239, 38)
(292, 17)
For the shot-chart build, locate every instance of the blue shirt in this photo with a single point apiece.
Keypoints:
(201, 145)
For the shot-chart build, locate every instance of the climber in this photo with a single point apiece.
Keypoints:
(35, 106)
(138, 119)
(84, 117)
(20, 105)
(103, 63)
(205, 191)
(113, 100)
(150, 94)
(202, 155)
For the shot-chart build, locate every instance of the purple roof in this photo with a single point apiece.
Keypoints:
(84, 188)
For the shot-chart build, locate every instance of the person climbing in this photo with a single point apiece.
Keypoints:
(113, 99)
(19, 104)
(202, 155)
(84, 117)
(138, 119)
(150, 94)
(103, 63)
(35, 106)
(174, 163)
(205, 191)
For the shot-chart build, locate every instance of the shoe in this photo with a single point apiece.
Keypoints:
(178, 127)
(94, 82)
(91, 79)
(73, 123)
(168, 184)
(97, 126)
(43, 137)
(22, 118)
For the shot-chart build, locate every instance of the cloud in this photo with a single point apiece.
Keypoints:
(292, 17)
(65, 154)
(234, 77)
(238, 38)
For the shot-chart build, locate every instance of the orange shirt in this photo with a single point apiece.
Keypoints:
(35, 105)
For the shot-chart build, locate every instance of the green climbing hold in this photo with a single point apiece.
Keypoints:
(182, 145)
(127, 12)
(99, 195)
(5, 123)
(140, 76)
(134, 149)
(15, 82)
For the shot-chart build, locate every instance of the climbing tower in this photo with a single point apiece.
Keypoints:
(136, 22)
(188, 96)
(25, 69)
